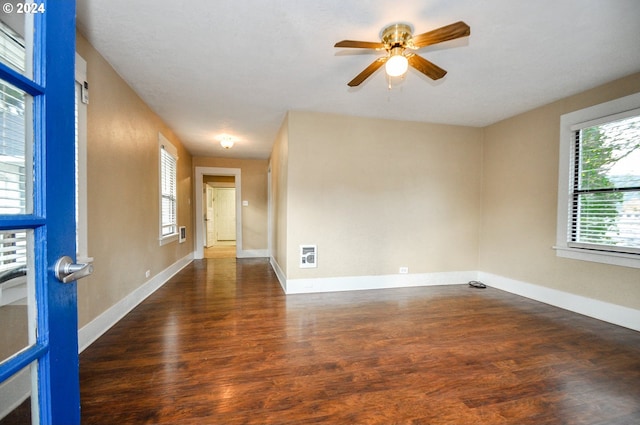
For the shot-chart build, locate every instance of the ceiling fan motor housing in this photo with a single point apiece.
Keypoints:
(396, 35)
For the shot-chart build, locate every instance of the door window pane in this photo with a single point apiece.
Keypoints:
(18, 398)
(15, 151)
(17, 301)
(16, 32)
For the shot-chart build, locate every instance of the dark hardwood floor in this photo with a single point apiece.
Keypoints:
(221, 344)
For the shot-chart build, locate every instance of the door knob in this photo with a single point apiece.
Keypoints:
(66, 271)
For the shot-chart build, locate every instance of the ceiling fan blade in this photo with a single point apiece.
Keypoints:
(367, 72)
(446, 33)
(427, 68)
(360, 44)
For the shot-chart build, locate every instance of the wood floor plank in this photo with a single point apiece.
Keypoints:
(221, 344)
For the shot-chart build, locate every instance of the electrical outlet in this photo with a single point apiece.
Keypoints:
(147, 274)
(404, 270)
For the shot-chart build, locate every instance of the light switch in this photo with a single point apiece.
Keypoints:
(245, 203)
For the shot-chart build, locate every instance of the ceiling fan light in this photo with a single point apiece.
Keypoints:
(396, 65)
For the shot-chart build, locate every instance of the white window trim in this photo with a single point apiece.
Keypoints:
(568, 123)
(173, 151)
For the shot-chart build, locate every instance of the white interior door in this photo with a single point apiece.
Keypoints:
(225, 214)
(210, 216)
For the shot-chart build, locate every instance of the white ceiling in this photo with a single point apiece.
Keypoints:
(236, 66)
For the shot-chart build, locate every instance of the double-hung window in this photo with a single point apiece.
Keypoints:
(599, 190)
(168, 191)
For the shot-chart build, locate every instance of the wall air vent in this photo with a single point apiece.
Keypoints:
(308, 256)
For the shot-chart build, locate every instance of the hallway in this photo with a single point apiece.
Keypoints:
(220, 251)
(221, 344)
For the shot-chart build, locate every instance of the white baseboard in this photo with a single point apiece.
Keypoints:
(94, 329)
(279, 273)
(253, 253)
(601, 310)
(356, 283)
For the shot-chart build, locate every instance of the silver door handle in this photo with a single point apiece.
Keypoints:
(67, 272)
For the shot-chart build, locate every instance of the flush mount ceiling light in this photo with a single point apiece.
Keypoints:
(399, 43)
(226, 141)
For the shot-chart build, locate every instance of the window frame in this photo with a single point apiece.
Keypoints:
(168, 147)
(81, 102)
(568, 123)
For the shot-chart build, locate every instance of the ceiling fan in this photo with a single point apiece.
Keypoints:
(397, 40)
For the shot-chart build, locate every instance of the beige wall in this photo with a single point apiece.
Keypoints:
(253, 178)
(279, 181)
(123, 190)
(377, 194)
(520, 188)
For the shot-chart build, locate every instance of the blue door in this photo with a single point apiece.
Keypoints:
(38, 312)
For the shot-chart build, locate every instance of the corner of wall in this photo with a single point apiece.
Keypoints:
(282, 278)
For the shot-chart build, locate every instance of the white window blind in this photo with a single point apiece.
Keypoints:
(605, 186)
(12, 49)
(13, 192)
(168, 189)
(13, 250)
(12, 129)
(12, 151)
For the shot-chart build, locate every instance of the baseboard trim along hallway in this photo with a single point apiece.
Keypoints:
(94, 329)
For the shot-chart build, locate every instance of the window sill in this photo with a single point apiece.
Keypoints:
(168, 239)
(613, 258)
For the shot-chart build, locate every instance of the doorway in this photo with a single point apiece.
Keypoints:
(218, 213)
(220, 216)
